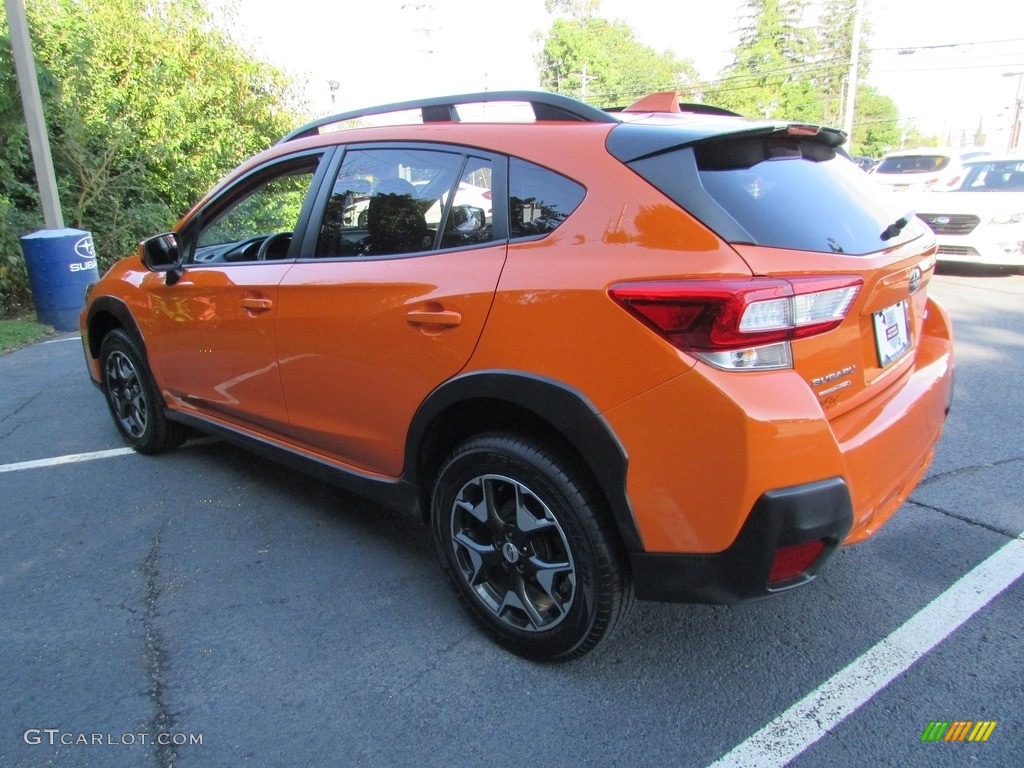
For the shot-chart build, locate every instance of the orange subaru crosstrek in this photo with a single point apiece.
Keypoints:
(660, 353)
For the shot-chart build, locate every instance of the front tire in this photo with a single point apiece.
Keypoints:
(528, 548)
(132, 396)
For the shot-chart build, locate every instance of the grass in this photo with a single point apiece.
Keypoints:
(18, 331)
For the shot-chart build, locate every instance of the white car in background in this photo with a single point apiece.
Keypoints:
(931, 169)
(981, 221)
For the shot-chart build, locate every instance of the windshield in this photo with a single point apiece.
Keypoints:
(996, 176)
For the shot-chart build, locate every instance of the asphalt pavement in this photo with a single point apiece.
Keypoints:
(209, 608)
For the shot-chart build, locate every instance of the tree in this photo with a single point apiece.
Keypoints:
(147, 105)
(876, 129)
(771, 71)
(835, 34)
(601, 61)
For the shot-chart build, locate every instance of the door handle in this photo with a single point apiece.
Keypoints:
(257, 305)
(445, 317)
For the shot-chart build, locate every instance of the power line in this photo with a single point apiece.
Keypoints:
(912, 48)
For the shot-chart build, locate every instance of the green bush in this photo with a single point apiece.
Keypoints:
(15, 296)
(147, 104)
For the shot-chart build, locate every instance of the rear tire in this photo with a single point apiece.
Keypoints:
(134, 402)
(528, 548)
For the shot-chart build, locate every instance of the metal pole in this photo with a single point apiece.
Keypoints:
(32, 105)
(1015, 128)
(851, 88)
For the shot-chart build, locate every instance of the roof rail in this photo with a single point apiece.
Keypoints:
(443, 109)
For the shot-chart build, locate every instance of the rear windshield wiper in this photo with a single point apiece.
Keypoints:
(897, 226)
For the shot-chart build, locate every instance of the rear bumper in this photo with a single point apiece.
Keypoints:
(888, 447)
(780, 518)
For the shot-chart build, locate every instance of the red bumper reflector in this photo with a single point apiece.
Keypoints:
(793, 560)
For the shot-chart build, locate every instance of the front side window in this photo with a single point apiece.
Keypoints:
(255, 222)
(387, 202)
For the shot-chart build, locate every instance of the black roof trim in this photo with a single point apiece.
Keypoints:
(546, 107)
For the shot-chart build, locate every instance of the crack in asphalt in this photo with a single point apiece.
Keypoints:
(155, 657)
(20, 408)
(1010, 534)
(1007, 532)
(431, 666)
(971, 468)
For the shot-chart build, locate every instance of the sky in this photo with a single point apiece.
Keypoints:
(948, 78)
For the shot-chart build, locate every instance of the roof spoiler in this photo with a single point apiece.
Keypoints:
(668, 102)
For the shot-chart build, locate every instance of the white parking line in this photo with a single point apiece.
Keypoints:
(74, 458)
(71, 458)
(58, 341)
(810, 719)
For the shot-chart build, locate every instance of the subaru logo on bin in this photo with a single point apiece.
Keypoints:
(85, 248)
(61, 263)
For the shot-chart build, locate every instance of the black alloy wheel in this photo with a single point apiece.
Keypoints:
(528, 549)
(134, 403)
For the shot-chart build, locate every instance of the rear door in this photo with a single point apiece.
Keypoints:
(391, 299)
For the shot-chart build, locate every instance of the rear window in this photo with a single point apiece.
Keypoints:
(913, 164)
(797, 193)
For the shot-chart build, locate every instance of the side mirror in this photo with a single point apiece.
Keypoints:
(160, 254)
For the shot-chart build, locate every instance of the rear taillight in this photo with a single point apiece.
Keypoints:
(740, 324)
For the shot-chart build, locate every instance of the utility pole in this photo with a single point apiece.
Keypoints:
(32, 105)
(584, 79)
(851, 87)
(1015, 129)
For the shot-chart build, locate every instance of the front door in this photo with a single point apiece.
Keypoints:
(216, 350)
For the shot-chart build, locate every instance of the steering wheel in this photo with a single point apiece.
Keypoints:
(271, 241)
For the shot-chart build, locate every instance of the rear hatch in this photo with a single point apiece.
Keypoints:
(840, 276)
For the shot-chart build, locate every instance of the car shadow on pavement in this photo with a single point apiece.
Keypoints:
(975, 270)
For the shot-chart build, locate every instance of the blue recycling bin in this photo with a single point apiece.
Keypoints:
(61, 264)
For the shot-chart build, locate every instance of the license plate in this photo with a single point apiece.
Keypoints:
(892, 334)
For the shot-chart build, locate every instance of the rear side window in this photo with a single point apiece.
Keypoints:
(794, 193)
(539, 199)
(395, 201)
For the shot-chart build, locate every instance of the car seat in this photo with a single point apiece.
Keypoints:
(395, 219)
(341, 215)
